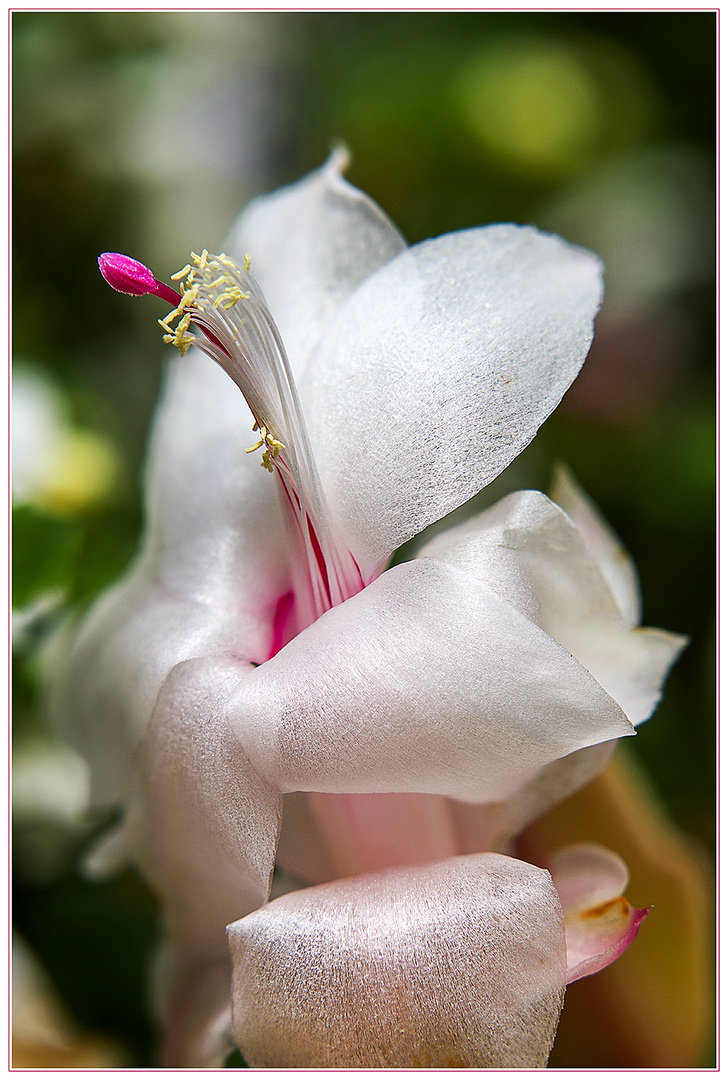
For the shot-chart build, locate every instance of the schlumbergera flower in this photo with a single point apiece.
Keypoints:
(260, 661)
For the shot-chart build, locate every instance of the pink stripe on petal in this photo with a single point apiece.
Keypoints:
(597, 937)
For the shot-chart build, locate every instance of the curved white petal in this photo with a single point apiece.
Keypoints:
(311, 244)
(330, 835)
(215, 532)
(107, 683)
(437, 372)
(493, 826)
(528, 550)
(458, 964)
(212, 821)
(426, 681)
(615, 563)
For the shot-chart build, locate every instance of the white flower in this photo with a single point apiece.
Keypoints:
(492, 669)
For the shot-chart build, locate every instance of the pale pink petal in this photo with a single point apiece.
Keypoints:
(427, 682)
(599, 922)
(361, 833)
(438, 370)
(197, 1018)
(587, 875)
(327, 835)
(458, 964)
(213, 822)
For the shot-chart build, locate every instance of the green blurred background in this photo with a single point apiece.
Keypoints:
(146, 132)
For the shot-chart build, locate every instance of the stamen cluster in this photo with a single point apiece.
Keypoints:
(223, 299)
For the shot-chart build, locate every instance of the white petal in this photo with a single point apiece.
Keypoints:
(437, 372)
(311, 244)
(527, 550)
(458, 964)
(213, 822)
(615, 563)
(106, 686)
(425, 681)
(554, 783)
(215, 533)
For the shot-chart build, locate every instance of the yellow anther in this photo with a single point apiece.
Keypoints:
(210, 279)
(183, 346)
(183, 341)
(200, 261)
(272, 446)
(189, 297)
(230, 297)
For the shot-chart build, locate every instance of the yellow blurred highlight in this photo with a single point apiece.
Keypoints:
(534, 105)
(85, 471)
(653, 1008)
(43, 1036)
(81, 1053)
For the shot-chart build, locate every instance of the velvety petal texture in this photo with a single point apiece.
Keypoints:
(213, 822)
(458, 964)
(426, 681)
(474, 338)
(529, 551)
(209, 850)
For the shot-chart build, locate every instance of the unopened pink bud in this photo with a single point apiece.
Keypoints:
(133, 278)
(127, 275)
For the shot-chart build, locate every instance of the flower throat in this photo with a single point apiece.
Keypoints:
(223, 299)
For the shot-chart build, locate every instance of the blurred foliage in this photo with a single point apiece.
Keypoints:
(145, 131)
(45, 551)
